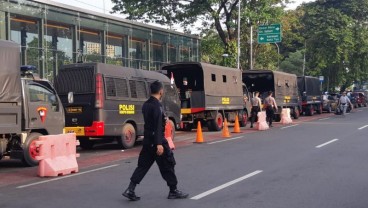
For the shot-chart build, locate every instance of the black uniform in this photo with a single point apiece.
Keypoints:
(154, 121)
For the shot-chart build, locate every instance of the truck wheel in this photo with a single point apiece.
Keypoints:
(188, 127)
(217, 123)
(30, 151)
(310, 111)
(128, 136)
(85, 143)
(296, 113)
(244, 119)
(277, 117)
(319, 109)
(172, 133)
(365, 104)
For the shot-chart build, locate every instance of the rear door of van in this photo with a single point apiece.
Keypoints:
(76, 89)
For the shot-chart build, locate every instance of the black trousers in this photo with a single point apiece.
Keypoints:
(270, 113)
(254, 114)
(165, 162)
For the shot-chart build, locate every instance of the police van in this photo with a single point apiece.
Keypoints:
(104, 101)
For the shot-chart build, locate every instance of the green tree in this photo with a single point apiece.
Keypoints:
(294, 63)
(216, 15)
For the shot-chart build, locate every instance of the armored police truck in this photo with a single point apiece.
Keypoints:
(104, 101)
(29, 107)
(208, 93)
(309, 88)
(284, 86)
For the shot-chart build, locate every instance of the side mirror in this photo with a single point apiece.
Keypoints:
(70, 97)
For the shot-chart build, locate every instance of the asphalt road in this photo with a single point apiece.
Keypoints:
(315, 164)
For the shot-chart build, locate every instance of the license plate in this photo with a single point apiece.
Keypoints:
(79, 131)
(74, 109)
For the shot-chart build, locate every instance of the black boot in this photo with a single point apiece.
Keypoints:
(176, 194)
(130, 194)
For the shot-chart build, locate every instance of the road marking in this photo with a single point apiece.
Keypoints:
(324, 144)
(218, 188)
(225, 140)
(363, 127)
(68, 176)
(323, 119)
(359, 110)
(289, 126)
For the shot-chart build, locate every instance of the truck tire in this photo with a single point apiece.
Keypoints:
(128, 136)
(277, 117)
(188, 127)
(365, 104)
(244, 118)
(217, 123)
(85, 143)
(310, 111)
(30, 151)
(296, 113)
(319, 109)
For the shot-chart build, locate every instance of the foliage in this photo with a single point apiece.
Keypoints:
(294, 63)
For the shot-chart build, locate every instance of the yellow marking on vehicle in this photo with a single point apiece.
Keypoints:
(186, 111)
(74, 109)
(225, 101)
(79, 131)
(126, 109)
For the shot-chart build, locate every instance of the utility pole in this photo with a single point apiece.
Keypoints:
(305, 51)
(238, 59)
(251, 48)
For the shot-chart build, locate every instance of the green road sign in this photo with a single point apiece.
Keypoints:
(269, 33)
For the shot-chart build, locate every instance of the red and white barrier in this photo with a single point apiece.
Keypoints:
(262, 123)
(285, 116)
(168, 135)
(57, 155)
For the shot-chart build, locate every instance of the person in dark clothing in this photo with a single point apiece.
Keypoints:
(155, 147)
(271, 106)
(256, 107)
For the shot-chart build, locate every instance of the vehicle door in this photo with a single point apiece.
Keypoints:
(44, 109)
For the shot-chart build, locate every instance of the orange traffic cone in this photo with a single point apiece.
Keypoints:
(199, 138)
(237, 125)
(225, 130)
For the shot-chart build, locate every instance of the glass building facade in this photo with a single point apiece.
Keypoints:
(52, 34)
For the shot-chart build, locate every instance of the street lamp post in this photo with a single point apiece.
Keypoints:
(278, 56)
(238, 59)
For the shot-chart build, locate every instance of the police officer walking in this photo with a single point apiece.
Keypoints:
(271, 106)
(256, 107)
(155, 147)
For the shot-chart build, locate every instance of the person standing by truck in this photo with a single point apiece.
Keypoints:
(270, 106)
(155, 147)
(256, 107)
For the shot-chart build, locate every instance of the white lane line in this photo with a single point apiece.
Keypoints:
(218, 188)
(68, 176)
(363, 127)
(225, 140)
(323, 119)
(324, 144)
(289, 126)
(359, 110)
